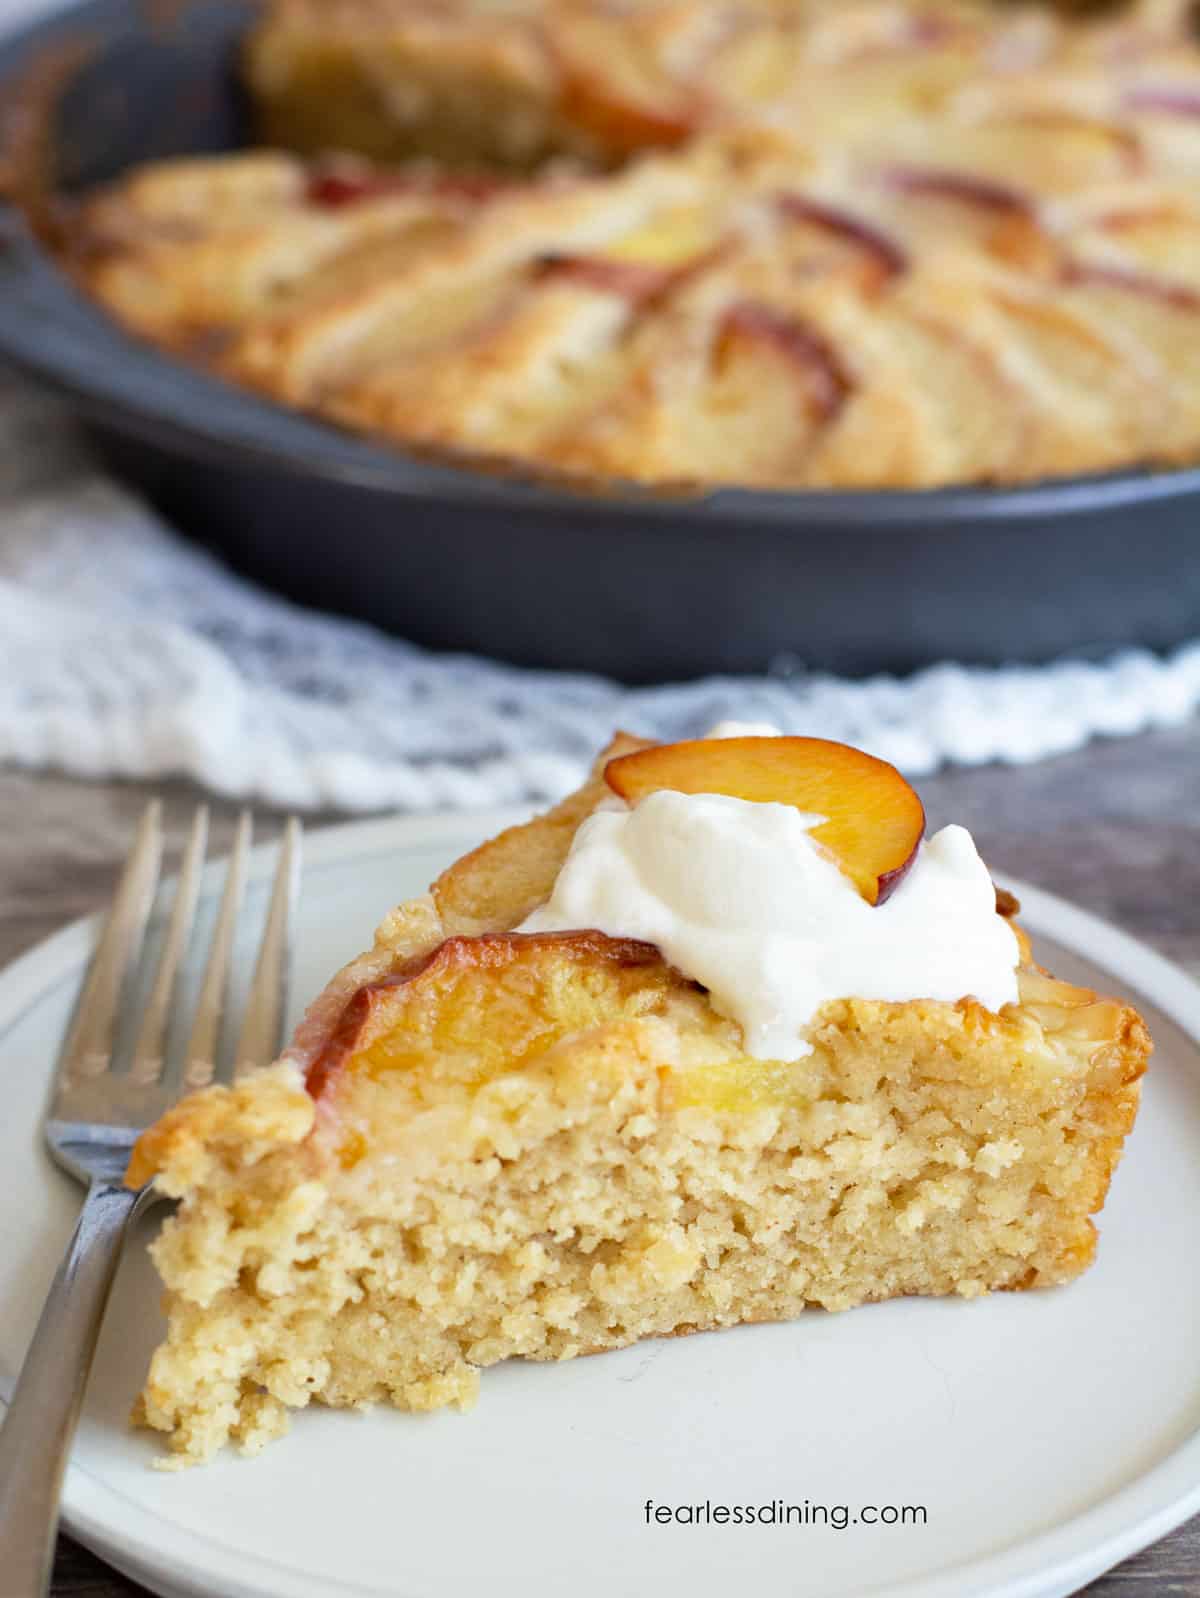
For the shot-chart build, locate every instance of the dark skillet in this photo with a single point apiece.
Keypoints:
(632, 585)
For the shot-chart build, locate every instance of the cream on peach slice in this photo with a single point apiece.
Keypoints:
(872, 819)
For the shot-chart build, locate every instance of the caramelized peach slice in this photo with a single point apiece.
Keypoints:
(497, 885)
(334, 185)
(638, 282)
(623, 123)
(1167, 291)
(873, 819)
(643, 265)
(1167, 99)
(673, 238)
(943, 183)
(801, 348)
(473, 1007)
(886, 253)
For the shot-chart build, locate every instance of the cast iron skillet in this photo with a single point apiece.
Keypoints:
(637, 586)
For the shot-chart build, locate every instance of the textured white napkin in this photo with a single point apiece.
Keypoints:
(126, 651)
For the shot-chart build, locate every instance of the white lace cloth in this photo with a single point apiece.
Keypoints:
(127, 652)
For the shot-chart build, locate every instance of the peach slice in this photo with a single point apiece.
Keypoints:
(800, 346)
(1168, 99)
(1178, 295)
(333, 185)
(636, 281)
(473, 1005)
(621, 122)
(677, 235)
(1091, 147)
(874, 821)
(643, 265)
(886, 253)
(944, 183)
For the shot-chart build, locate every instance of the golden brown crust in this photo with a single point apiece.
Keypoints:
(241, 1124)
(506, 879)
(409, 930)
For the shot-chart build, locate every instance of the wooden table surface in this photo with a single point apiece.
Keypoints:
(1115, 828)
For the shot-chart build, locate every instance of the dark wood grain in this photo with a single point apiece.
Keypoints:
(1115, 828)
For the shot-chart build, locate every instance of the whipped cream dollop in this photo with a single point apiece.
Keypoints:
(740, 897)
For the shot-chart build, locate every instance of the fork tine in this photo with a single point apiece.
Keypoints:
(261, 1037)
(88, 1049)
(200, 1058)
(149, 1052)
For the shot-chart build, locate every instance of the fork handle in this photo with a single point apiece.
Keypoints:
(36, 1436)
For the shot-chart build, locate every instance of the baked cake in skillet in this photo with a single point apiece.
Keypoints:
(717, 1039)
(962, 253)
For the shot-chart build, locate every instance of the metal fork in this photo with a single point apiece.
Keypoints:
(106, 1092)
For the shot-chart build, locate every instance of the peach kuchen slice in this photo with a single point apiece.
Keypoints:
(487, 1143)
(872, 820)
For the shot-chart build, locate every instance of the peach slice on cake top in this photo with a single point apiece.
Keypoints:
(873, 820)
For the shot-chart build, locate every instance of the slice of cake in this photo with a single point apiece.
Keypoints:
(718, 1038)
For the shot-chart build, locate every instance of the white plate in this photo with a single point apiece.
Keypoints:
(1047, 1435)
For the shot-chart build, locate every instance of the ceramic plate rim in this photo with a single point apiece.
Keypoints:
(1054, 1562)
